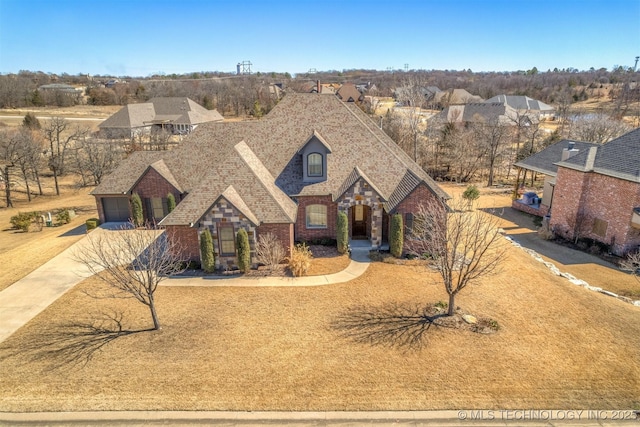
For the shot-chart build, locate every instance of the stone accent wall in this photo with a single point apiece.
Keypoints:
(301, 231)
(361, 193)
(283, 232)
(596, 198)
(188, 242)
(225, 212)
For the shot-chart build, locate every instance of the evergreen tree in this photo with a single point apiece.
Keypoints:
(396, 238)
(342, 232)
(208, 258)
(171, 202)
(136, 210)
(244, 250)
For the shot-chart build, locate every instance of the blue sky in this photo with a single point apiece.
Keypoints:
(142, 37)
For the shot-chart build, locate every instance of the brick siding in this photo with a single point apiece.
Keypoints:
(599, 197)
(530, 209)
(187, 239)
(301, 230)
(420, 195)
(283, 232)
(152, 184)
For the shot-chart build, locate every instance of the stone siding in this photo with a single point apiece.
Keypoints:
(361, 193)
(225, 212)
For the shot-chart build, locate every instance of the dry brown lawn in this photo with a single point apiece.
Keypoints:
(21, 253)
(559, 346)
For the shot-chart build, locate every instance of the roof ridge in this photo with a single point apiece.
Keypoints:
(244, 151)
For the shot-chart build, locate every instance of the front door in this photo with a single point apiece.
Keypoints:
(359, 221)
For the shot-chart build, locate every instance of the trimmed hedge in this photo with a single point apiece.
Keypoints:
(92, 223)
(244, 251)
(342, 231)
(396, 238)
(208, 257)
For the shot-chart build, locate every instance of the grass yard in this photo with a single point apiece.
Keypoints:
(559, 346)
(21, 253)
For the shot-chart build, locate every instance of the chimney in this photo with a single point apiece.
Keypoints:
(570, 151)
(318, 88)
(591, 159)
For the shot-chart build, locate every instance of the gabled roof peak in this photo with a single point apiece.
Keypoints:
(315, 134)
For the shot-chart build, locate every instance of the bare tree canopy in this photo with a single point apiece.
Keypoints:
(599, 128)
(133, 262)
(464, 246)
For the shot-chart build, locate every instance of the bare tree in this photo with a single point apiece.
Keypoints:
(133, 263)
(492, 135)
(464, 246)
(269, 251)
(97, 157)
(9, 156)
(60, 138)
(632, 264)
(599, 128)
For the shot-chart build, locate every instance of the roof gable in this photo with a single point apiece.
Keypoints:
(546, 161)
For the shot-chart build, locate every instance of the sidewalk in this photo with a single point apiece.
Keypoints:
(358, 265)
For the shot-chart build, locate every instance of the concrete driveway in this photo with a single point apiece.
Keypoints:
(30, 295)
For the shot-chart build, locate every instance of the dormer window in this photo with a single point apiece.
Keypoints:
(315, 157)
(315, 164)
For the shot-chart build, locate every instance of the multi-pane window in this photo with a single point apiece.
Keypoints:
(157, 208)
(316, 216)
(314, 164)
(227, 239)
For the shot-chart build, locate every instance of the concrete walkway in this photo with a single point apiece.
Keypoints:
(29, 296)
(358, 265)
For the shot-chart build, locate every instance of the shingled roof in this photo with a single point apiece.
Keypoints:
(546, 161)
(175, 110)
(619, 158)
(522, 103)
(260, 160)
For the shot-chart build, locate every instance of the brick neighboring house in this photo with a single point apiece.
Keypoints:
(597, 193)
(177, 115)
(289, 174)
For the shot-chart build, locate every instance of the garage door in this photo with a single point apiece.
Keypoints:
(116, 209)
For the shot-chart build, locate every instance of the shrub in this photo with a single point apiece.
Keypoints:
(92, 223)
(471, 194)
(206, 252)
(23, 220)
(63, 217)
(244, 251)
(396, 237)
(342, 230)
(300, 260)
(269, 251)
(136, 210)
(171, 202)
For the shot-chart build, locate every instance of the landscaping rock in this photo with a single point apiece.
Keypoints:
(611, 294)
(469, 319)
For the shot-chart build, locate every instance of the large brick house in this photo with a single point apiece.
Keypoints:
(596, 192)
(289, 173)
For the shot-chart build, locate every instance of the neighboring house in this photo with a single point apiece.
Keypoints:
(289, 173)
(178, 115)
(526, 105)
(480, 112)
(404, 94)
(597, 193)
(454, 96)
(349, 93)
(545, 162)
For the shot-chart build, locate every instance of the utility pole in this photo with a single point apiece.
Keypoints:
(635, 67)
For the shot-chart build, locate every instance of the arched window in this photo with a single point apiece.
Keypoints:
(316, 216)
(314, 164)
